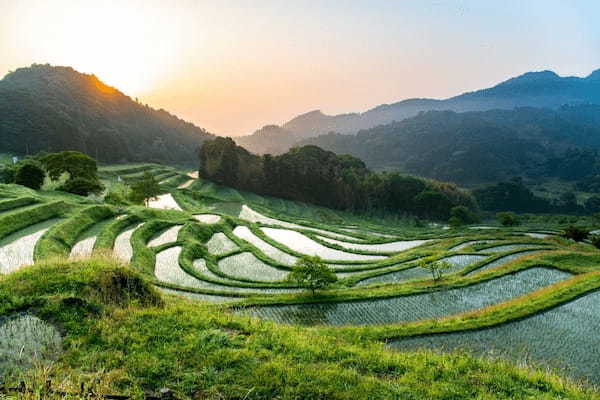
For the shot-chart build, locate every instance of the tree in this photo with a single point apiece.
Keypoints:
(82, 186)
(31, 174)
(461, 215)
(145, 189)
(77, 164)
(508, 218)
(312, 273)
(436, 268)
(592, 205)
(575, 233)
(595, 239)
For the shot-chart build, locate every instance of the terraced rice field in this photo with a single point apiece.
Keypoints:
(168, 236)
(457, 263)
(207, 218)
(85, 245)
(244, 233)
(164, 202)
(219, 243)
(17, 249)
(123, 250)
(233, 247)
(247, 266)
(305, 245)
(415, 307)
(391, 247)
(561, 338)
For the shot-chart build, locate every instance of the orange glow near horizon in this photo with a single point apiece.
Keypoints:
(235, 65)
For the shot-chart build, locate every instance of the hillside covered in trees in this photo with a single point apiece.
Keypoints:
(46, 108)
(313, 175)
(481, 147)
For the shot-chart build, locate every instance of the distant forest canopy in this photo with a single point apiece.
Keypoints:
(46, 108)
(543, 89)
(513, 195)
(481, 147)
(313, 175)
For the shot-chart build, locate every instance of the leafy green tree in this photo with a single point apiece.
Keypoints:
(312, 273)
(77, 164)
(436, 268)
(508, 218)
(30, 174)
(145, 189)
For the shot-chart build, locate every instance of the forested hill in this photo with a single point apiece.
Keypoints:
(534, 89)
(478, 147)
(57, 108)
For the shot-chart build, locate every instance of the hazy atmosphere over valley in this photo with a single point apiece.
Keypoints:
(299, 200)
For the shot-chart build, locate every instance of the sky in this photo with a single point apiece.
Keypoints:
(233, 66)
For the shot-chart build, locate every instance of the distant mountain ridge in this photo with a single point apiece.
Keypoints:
(480, 146)
(543, 89)
(48, 108)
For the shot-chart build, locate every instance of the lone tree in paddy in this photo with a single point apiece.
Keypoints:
(436, 268)
(145, 189)
(312, 273)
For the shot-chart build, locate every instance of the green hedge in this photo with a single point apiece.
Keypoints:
(15, 203)
(14, 221)
(106, 238)
(60, 238)
(144, 257)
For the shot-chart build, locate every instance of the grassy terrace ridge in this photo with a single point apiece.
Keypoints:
(120, 331)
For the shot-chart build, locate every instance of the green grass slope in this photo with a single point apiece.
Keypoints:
(117, 328)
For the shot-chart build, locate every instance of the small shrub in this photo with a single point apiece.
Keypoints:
(437, 268)
(508, 218)
(55, 184)
(595, 239)
(575, 233)
(461, 215)
(7, 173)
(30, 174)
(82, 186)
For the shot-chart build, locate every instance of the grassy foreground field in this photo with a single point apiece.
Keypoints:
(118, 329)
(198, 266)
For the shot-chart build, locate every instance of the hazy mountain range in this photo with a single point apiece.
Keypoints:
(534, 89)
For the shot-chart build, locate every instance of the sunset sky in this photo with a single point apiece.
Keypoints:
(233, 66)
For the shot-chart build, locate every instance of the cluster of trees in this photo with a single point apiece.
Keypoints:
(68, 171)
(46, 108)
(513, 195)
(313, 175)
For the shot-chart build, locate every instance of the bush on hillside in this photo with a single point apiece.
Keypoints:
(82, 186)
(30, 174)
(508, 218)
(575, 233)
(461, 215)
(7, 173)
(595, 239)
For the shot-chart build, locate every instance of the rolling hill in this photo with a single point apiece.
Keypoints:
(47, 108)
